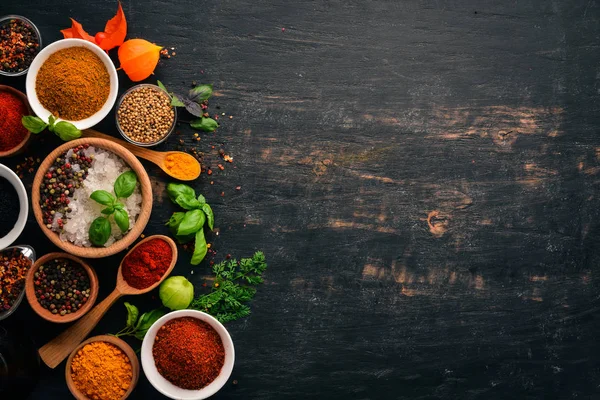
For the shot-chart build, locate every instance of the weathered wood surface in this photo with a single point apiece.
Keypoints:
(422, 176)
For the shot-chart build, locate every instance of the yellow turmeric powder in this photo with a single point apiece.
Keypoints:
(182, 166)
(101, 371)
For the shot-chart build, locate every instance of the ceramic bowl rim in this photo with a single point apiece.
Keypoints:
(16, 182)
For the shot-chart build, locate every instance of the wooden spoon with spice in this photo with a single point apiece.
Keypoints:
(138, 272)
(177, 164)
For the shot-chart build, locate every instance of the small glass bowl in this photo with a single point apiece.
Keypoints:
(144, 144)
(37, 32)
(29, 253)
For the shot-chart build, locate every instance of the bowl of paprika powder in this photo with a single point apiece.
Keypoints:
(13, 135)
(187, 355)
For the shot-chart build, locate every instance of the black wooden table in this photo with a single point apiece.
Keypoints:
(422, 176)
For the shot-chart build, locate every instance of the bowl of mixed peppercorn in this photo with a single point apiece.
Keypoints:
(20, 42)
(61, 288)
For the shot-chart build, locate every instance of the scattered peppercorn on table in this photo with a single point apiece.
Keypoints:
(421, 178)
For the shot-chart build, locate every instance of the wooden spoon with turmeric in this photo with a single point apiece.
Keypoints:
(177, 164)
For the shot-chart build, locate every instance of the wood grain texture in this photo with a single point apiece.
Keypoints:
(142, 218)
(422, 176)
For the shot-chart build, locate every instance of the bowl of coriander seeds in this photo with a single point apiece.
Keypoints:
(145, 116)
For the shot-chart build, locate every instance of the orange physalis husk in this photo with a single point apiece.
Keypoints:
(76, 32)
(138, 58)
(114, 31)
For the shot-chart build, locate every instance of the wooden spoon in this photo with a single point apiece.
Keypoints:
(157, 157)
(59, 348)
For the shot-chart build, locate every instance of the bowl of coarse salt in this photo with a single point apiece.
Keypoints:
(66, 211)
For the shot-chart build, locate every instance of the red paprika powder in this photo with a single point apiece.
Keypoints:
(188, 352)
(12, 131)
(146, 265)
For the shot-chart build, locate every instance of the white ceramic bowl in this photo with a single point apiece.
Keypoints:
(166, 387)
(11, 177)
(43, 55)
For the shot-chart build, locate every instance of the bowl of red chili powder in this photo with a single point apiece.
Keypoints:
(13, 135)
(187, 355)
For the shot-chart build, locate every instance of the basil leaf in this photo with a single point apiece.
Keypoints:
(176, 100)
(66, 131)
(122, 220)
(125, 184)
(132, 314)
(160, 85)
(33, 124)
(108, 210)
(174, 221)
(103, 197)
(141, 320)
(183, 239)
(201, 199)
(209, 215)
(205, 124)
(175, 190)
(192, 107)
(200, 93)
(51, 122)
(192, 221)
(200, 248)
(118, 205)
(147, 321)
(187, 203)
(99, 231)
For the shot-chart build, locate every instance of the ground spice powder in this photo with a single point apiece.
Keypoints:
(73, 83)
(146, 265)
(188, 352)
(12, 131)
(183, 166)
(101, 371)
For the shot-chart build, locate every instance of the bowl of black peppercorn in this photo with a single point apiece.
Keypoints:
(61, 287)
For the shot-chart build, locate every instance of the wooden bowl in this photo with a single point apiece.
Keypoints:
(135, 364)
(20, 147)
(140, 223)
(46, 314)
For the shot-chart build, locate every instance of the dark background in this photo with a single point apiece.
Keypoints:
(422, 176)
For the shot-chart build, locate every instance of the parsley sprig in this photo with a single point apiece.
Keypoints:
(232, 288)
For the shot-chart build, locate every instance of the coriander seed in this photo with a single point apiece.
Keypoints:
(146, 115)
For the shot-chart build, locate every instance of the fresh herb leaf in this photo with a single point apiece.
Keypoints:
(188, 203)
(210, 217)
(99, 231)
(192, 107)
(201, 199)
(122, 220)
(175, 190)
(160, 85)
(66, 130)
(176, 100)
(118, 205)
(200, 248)
(51, 122)
(227, 297)
(33, 124)
(205, 124)
(108, 210)
(174, 221)
(200, 93)
(125, 184)
(103, 197)
(191, 223)
(132, 314)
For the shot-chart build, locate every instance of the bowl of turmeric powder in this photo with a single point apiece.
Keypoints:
(72, 80)
(102, 367)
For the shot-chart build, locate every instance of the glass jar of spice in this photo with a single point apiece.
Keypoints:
(20, 42)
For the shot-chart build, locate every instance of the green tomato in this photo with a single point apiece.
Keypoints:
(176, 293)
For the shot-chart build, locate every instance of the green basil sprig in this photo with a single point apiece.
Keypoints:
(124, 186)
(189, 225)
(195, 102)
(63, 129)
(137, 325)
